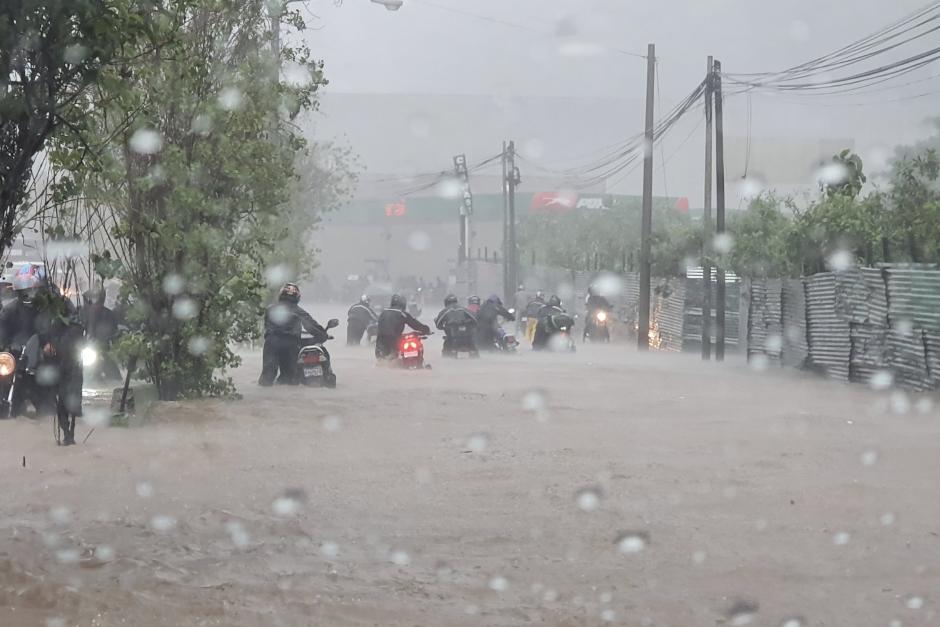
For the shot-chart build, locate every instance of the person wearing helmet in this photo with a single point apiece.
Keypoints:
(358, 319)
(552, 317)
(284, 322)
(101, 324)
(594, 303)
(459, 327)
(391, 325)
(488, 329)
(532, 310)
(473, 304)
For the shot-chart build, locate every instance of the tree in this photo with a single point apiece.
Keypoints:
(193, 182)
(762, 238)
(51, 52)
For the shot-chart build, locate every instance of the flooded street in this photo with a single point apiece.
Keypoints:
(505, 491)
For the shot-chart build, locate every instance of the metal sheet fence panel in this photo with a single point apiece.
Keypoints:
(827, 330)
(795, 347)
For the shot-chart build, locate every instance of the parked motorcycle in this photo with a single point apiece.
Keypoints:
(314, 364)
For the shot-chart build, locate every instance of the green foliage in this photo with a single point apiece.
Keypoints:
(195, 176)
(762, 236)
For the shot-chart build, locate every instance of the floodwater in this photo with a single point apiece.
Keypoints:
(603, 487)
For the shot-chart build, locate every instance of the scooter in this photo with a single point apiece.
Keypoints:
(411, 351)
(460, 339)
(505, 342)
(7, 384)
(598, 330)
(314, 364)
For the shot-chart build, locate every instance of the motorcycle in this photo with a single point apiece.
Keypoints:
(371, 331)
(8, 385)
(506, 342)
(459, 338)
(314, 364)
(598, 328)
(411, 351)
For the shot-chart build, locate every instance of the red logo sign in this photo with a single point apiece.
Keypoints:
(396, 209)
(554, 202)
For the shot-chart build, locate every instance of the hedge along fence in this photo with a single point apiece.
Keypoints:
(849, 325)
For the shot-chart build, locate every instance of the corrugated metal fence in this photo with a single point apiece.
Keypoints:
(849, 325)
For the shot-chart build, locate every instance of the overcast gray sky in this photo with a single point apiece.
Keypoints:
(516, 54)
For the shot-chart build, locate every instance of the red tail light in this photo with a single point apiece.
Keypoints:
(409, 345)
(312, 358)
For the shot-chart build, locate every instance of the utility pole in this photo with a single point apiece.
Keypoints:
(512, 182)
(504, 183)
(719, 212)
(707, 222)
(465, 209)
(643, 328)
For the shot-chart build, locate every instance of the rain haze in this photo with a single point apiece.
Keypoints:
(469, 312)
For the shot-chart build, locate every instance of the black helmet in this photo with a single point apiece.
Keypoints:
(554, 301)
(473, 300)
(450, 300)
(364, 299)
(398, 302)
(290, 292)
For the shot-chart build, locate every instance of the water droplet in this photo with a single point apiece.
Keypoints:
(895, 623)
(96, 417)
(146, 141)
(698, 558)
(67, 556)
(279, 314)
(478, 442)
(296, 74)
(900, 403)
(588, 499)
(173, 284)
(419, 241)
(761, 524)
(104, 553)
(162, 523)
(472, 610)
(534, 401)
(331, 424)
(75, 54)
(832, 174)
(723, 243)
(499, 584)
(632, 542)
(550, 596)
(400, 558)
(774, 343)
(904, 326)
(66, 249)
(202, 124)
(289, 504)
(144, 489)
(869, 458)
(278, 274)
(47, 375)
(914, 603)
(606, 597)
(608, 616)
(60, 515)
(792, 622)
(329, 549)
(238, 535)
(185, 308)
(450, 188)
(198, 345)
(751, 187)
(423, 475)
(609, 285)
(840, 261)
(559, 343)
(881, 380)
(55, 622)
(924, 405)
(759, 362)
(841, 539)
(230, 98)
(742, 613)
(887, 519)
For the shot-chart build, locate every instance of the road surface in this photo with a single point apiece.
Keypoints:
(605, 487)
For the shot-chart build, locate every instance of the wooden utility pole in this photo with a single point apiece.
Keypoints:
(643, 326)
(512, 181)
(707, 222)
(719, 212)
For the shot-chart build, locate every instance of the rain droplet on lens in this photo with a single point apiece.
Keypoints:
(329, 549)
(900, 403)
(841, 539)
(904, 326)
(47, 375)
(881, 380)
(471, 609)
(840, 261)
(419, 241)
(792, 622)
(75, 54)
(742, 613)
(96, 417)
(198, 345)
(832, 174)
(759, 362)
(331, 424)
(887, 519)
(400, 558)
(285, 506)
(774, 343)
(723, 243)
(550, 596)
(924, 405)
(144, 489)
(55, 622)
(61, 515)
(914, 603)
(606, 597)
(278, 274)
(185, 308)
(478, 442)
(230, 98)
(104, 553)
(698, 558)
(608, 616)
(588, 499)
(146, 141)
(67, 556)
(450, 188)
(632, 542)
(202, 124)
(499, 584)
(279, 314)
(236, 531)
(869, 458)
(173, 284)
(162, 523)
(423, 475)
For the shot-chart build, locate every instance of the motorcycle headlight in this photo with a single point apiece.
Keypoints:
(601, 316)
(7, 364)
(89, 356)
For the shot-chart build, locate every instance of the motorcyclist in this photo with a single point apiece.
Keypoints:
(101, 325)
(459, 327)
(284, 322)
(18, 319)
(550, 318)
(473, 305)
(358, 319)
(593, 304)
(532, 310)
(392, 323)
(488, 329)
